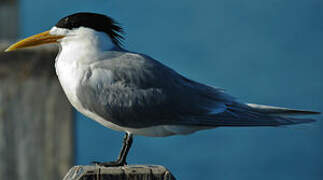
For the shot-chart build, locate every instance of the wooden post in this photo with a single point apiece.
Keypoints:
(36, 120)
(9, 27)
(132, 172)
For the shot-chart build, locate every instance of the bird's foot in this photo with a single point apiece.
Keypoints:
(110, 164)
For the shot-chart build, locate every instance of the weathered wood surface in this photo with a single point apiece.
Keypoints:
(131, 172)
(36, 120)
(9, 23)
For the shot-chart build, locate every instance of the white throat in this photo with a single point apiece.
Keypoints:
(82, 44)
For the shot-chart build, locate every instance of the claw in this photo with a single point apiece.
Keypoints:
(122, 156)
(109, 164)
(95, 162)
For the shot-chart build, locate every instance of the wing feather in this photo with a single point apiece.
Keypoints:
(141, 92)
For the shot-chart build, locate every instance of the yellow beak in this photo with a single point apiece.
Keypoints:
(36, 40)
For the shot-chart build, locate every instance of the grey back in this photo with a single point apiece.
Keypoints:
(145, 93)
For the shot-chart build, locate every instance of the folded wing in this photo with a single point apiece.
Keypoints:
(133, 90)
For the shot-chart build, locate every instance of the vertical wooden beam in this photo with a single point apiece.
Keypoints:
(9, 19)
(36, 120)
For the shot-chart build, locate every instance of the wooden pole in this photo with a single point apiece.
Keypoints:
(9, 24)
(36, 120)
(132, 172)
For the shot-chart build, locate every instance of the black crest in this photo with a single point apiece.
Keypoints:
(97, 22)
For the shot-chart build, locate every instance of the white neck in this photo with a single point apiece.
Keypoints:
(83, 45)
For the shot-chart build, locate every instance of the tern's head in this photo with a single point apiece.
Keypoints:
(79, 28)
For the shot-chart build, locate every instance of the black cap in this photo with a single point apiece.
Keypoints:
(94, 21)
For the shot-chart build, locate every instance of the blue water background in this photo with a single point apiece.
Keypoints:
(261, 51)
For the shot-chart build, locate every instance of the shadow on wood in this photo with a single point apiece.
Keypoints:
(131, 172)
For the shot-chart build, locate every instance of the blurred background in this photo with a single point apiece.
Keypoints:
(260, 51)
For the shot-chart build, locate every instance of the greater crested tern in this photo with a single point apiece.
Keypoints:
(134, 93)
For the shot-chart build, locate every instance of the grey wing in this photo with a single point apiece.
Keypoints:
(133, 90)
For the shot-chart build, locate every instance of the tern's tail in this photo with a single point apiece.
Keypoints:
(255, 115)
(272, 110)
(277, 116)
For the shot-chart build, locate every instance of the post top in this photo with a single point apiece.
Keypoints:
(145, 172)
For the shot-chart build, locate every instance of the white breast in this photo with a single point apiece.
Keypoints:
(69, 75)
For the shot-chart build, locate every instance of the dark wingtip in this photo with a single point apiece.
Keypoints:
(312, 112)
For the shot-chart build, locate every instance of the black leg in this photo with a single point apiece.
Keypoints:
(121, 161)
